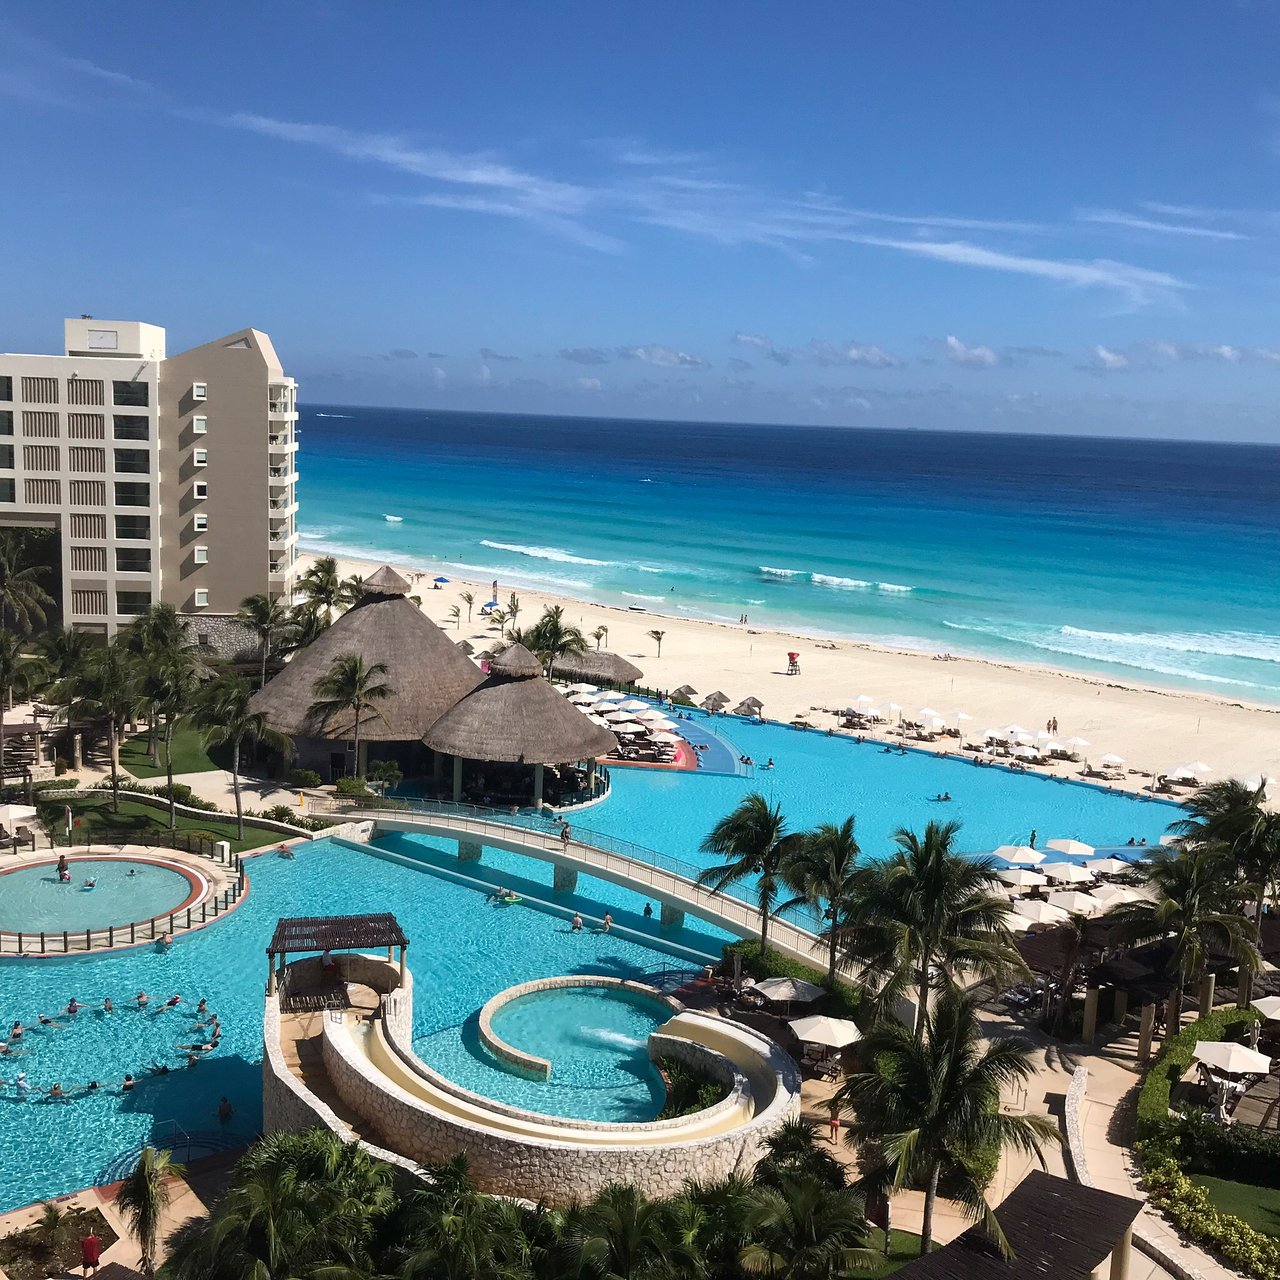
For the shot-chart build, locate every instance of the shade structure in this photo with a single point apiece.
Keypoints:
(1040, 912)
(628, 728)
(1078, 742)
(933, 723)
(719, 696)
(712, 703)
(863, 700)
(750, 701)
(1269, 1007)
(581, 687)
(598, 665)
(663, 736)
(1023, 878)
(466, 647)
(1018, 854)
(427, 672)
(1026, 753)
(516, 717)
(1113, 895)
(928, 713)
(1072, 848)
(1256, 781)
(11, 814)
(618, 715)
(1233, 1058)
(789, 990)
(1016, 922)
(651, 714)
(958, 716)
(440, 578)
(1111, 759)
(1074, 902)
(634, 704)
(1065, 872)
(1106, 866)
(611, 695)
(684, 691)
(992, 734)
(835, 1033)
(1193, 769)
(747, 709)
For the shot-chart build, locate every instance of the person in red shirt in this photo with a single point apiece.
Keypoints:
(90, 1252)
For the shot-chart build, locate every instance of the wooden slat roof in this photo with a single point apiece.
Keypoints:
(297, 934)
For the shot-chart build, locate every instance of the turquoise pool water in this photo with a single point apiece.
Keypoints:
(596, 1042)
(34, 899)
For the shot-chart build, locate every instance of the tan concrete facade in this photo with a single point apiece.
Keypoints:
(167, 479)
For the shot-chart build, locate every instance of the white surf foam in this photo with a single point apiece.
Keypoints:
(394, 519)
(771, 572)
(543, 553)
(845, 584)
(1221, 644)
(619, 1039)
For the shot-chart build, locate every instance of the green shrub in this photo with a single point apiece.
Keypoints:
(56, 784)
(304, 778)
(843, 1001)
(280, 813)
(353, 788)
(1174, 1059)
(1189, 1207)
(688, 1090)
(1198, 1144)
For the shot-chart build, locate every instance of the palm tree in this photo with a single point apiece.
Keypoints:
(226, 717)
(1075, 926)
(930, 1103)
(168, 682)
(107, 686)
(927, 913)
(158, 637)
(321, 588)
(269, 620)
(352, 685)
(792, 1151)
(801, 1230)
(551, 638)
(468, 598)
(1198, 907)
(456, 614)
(657, 636)
(143, 1197)
(824, 875)
(622, 1235)
(63, 650)
(16, 669)
(23, 600)
(513, 608)
(754, 842)
(306, 626)
(600, 633)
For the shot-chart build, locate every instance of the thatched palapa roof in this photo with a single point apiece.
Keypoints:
(425, 669)
(516, 716)
(599, 666)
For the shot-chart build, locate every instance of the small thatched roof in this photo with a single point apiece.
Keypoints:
(517, 717)
(684, 691)
(599, 666)
(424, 667)
(467, 647)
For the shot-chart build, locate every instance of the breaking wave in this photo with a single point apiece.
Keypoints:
(543, 553)
(830, 580)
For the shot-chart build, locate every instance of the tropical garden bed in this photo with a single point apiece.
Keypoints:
(51, 1245)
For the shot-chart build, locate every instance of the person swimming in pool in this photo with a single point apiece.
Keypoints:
(173, 1001)
(73, 1006)
(607, 923)
(91, 883)
(107, 1006)
(142, 999)
(203, 1007)
(15, 1031)
(128, 1082)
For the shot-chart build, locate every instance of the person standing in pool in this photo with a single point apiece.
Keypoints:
(648, 910)
(225, 1110)
(608, 923)
(1032, 841)
(107, 1006)
(576, 925)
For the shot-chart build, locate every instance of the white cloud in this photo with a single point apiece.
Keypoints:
(665, 357)
(1114, 218)
(438, 376)
(978, 357)
(589, 384)
(869, 355)
(1107, 360)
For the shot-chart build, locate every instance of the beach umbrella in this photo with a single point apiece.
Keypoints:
(595, 719)
(1022, 739)
(442, 578)
(961, 716)
(1106, 866)
(746, 709)
(1041, 912)
(719, 696)
(582, 688)
(1269, 1007)
(894, 708)
(1072, 848)
(928, 713)
(933, 723)
(11, 814)
(665, 737)
(1018, 854)
(992, 734)
(1065, 872)
(1232, 1057)
(634, 704)
(1074, 902)
(1111, 759)
(1013, 730)
(1256, 780)
(684, 691)
(616, 713)
(1197, 769)
(611, 695)
(751, 701)
(1079, 742)
(651, 713)
(835, 1033)
(492, 604)
(1048, 744)
(1022, 878)
(628, 727)
(1112, 895)
(1026, 753)
(863, 700)
(1015, 922)
(789, 990)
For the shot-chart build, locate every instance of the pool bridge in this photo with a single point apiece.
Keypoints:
(670, 881)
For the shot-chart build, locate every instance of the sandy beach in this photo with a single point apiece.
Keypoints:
(1153, 729)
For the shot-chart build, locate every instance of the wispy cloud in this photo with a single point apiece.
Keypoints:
(488, 353)
(585, 355)
(589, 384)
(763, 345)
(1133, 222)
(1105, 360)
(828, 354)
(664, 357)
(975, 357)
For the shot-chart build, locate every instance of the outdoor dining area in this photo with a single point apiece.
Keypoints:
(645, 734)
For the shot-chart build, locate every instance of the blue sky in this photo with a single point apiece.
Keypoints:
(991, 216)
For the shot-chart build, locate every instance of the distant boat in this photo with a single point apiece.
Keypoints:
(394, 519)
(637, 608)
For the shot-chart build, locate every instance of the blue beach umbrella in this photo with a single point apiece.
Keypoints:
(442, 578)
(493, 604)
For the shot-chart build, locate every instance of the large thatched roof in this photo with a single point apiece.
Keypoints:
(517, 717)
(424, 667)
(598, 665)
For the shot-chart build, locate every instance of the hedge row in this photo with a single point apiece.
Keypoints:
(1198, 1144)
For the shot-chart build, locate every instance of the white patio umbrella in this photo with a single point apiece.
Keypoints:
(1072, 848)
(617, 715)
(1043, 735)
(894, 708)
(1112, 895)
(1269, 1007)
(1233, 1058)
(634, 704)
(1106, 866)
(1022, 739)
(1065, 872)
(1015, 922)
(582, 700)
(1019, 855)
(961, 716)
(790, 990)
(933, 723)
(1074, 902)
(991, 735)
(1079, 742)
(928, 713)
(1256, 780)
(1026, 753)
(1023, 878)
(1013, 730)
(611, 695)
(600, 720)
(835, 1033)
(1111, 759)
(1196, 770)
(1040, 912)
(631, 728)
(863, 700)
(581, 688)
(649, 713)
(10, 814)
(663, 736)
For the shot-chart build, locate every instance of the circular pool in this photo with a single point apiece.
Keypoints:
(125, 891)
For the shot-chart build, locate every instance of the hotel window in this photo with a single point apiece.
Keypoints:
(201, 458)
(133, 395)
(132, 426)
(133, 461)
(200, 523)
(8, 490)
(200, 490)
(202, 599)
(132, 494)
(202, 555)
(132, 603)
(133, 528)
(133, 559)
(6, 422)
(200, 391)
(6, 457)
(6, 388)
(200, 425)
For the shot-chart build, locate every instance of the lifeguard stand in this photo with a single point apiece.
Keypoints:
(793, 664)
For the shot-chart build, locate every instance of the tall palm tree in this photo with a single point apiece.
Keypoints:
(552, 638)
(926, 914)
(169, 682)
(599, 634)
(225, 714)
(455, 615)
(823, 873)
(269, 619)
(143, 1198)
(16, 670)
(513, 608)
(1075, 926)
(350, 590)
(622, 1235)
(107, 686)
(755, 844)
(321, 588)
(1198, 907)
(657, 637)
(801, 1230)
(351, 685)
(468, 598)
(306, 626)
(929, 1103)
(23, 601)
(158, 637)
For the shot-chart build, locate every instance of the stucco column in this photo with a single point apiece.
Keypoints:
(457, 779)
(1120, 1256)
(403, 963)
(1145, 1031)
(271, 975)
(1090, 1028)
(1207, 986)
(469, 850)
(537, 786)
(39, 742)
(671, 917)
(77, 750)
(563, 879)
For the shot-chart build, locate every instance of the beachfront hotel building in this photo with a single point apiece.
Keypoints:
(166, 478)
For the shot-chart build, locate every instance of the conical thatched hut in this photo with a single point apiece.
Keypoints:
(426, 670)
(515, 718)
(597, 665)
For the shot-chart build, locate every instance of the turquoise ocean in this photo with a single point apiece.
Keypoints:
(1147, 561)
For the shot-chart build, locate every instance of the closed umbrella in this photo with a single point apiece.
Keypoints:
(1233, 1058)
(835, 1033)
(1023, 878)
(1074, 902)
(1065, 872)
(789, 990)
(1072, 848)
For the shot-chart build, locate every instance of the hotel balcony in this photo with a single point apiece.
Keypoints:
(286, 474)
(282, 410)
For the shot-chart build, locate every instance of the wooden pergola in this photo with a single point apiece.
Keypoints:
(299, 935)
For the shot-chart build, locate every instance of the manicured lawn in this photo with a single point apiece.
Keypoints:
(1258, 1206)
(903, 1248)
(93, 809)
(189, 754)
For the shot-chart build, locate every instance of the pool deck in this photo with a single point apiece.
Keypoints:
(202, 907)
